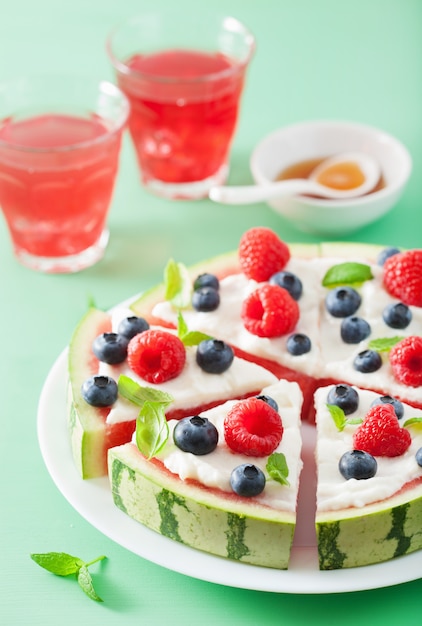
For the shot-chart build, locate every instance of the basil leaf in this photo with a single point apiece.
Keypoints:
(178, 284)
(85, 582)
(152, 429)
(277, 468)
(385, 344)
(348, 273)
(138, 395)
(58, 563)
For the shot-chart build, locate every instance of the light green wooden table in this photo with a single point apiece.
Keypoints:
(315, 59)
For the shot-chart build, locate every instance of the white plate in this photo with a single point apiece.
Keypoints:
(92, 499)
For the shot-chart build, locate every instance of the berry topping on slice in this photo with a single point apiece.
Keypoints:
(214, 356)
(156, 356)
(380, 433)
(131, 326)
(196, 435)
(397, 315)
(342, 301)
(270, 311)
(354, 329)
(367, 361)
(110, 348)
(206, 280)
(269, 400)
(262, 253)
(247, 480)
(403, 276)
(345, 397)
(288, 281)
(385, 254)
(298, 344)
(253, 427)
(398, 406)
(357, 464)
(406, 361)
(100, 391)
(206, 299)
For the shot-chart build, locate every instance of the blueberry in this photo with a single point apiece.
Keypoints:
(288, 281)
(196, 435)
(131, 326)
(342, 301)
(298, 344)
(357, 464)
(398, 406)
(385, 254)
(99, 391)
(214, 356)
(367, 361)
(345, 397)
(418, 457)
(206, 280)
(397, 315)
(269, 401)
(206, 299)
(247, 480)
(110, 348)
(354, 329)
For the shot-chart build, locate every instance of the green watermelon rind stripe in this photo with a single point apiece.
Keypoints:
(154, 499)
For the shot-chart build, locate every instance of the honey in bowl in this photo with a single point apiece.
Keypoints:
(343, 176)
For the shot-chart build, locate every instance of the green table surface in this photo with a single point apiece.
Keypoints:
(360, 61)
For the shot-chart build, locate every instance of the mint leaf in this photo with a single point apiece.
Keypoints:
(413, 421)
(58, 563)
(277, 468)
(189, 338)
(178, 284)
(385, 344)
(138, 395)
(348, 273)
(63, 564)
(85, 583)
(152, 429)
(339, 417)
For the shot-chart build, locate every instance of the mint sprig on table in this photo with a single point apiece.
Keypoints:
(277, 468)
(339, 417)
(63, 564)
(347, 273)
(178, 284)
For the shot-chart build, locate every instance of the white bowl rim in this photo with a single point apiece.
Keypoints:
(388, 190)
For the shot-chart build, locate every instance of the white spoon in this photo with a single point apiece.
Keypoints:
(249, 194)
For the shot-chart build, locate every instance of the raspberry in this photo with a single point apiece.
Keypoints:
(270, 311)
(403, 277)
(406, 361)
(156, 356)
(380, 434)
(262, 253)
(253, 427)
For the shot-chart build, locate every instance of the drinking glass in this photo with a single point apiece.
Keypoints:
(60, 140)
(183, 75)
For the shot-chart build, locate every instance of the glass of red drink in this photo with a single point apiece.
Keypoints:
(59, 147)
(183, 75)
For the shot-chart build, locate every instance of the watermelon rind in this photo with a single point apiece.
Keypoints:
(204, 519)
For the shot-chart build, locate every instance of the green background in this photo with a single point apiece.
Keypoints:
(358, 60)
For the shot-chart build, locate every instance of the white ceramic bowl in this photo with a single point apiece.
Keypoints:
(315, 139)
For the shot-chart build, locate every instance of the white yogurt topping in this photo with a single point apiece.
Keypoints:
(214, 469)
(330, 356)
(335, 492)
(193, 387)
